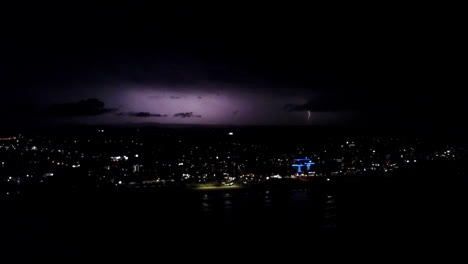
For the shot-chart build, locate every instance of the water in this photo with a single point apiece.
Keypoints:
(154, 222)
(297, 207)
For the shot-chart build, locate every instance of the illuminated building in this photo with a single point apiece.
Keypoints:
(303, 165)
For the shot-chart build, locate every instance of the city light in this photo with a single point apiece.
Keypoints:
(216, 163)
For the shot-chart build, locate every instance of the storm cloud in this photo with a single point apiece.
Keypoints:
(187, 115)
(88, 107)
(145, 114)
(327, 102)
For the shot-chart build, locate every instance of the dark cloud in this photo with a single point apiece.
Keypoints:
(199, 97)
(175, 97)
(235, 112)
(24, 109)
(327, 103)
(145, 114)
(88, 107)
(186, 115)
(154, 96)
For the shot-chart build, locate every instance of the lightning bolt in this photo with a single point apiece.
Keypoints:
(308, 115)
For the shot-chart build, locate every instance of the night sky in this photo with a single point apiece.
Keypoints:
(253, 65)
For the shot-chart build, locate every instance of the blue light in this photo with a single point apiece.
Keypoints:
(308, 164)
(298, 167)
(303, 163)
(301, 159)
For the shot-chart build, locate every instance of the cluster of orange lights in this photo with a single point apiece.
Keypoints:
(7, 138)
(151, 181)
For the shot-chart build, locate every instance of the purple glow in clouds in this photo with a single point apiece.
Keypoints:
(198, 105)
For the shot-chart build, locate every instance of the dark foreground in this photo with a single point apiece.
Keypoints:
(169, 222)
(421, 208)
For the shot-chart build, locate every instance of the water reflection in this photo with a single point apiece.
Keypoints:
(267, 200)
(301, 207)
(330, 209)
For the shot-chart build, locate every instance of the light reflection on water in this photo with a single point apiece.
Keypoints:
(298, 205)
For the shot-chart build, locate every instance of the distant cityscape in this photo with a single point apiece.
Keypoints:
(138, 159)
